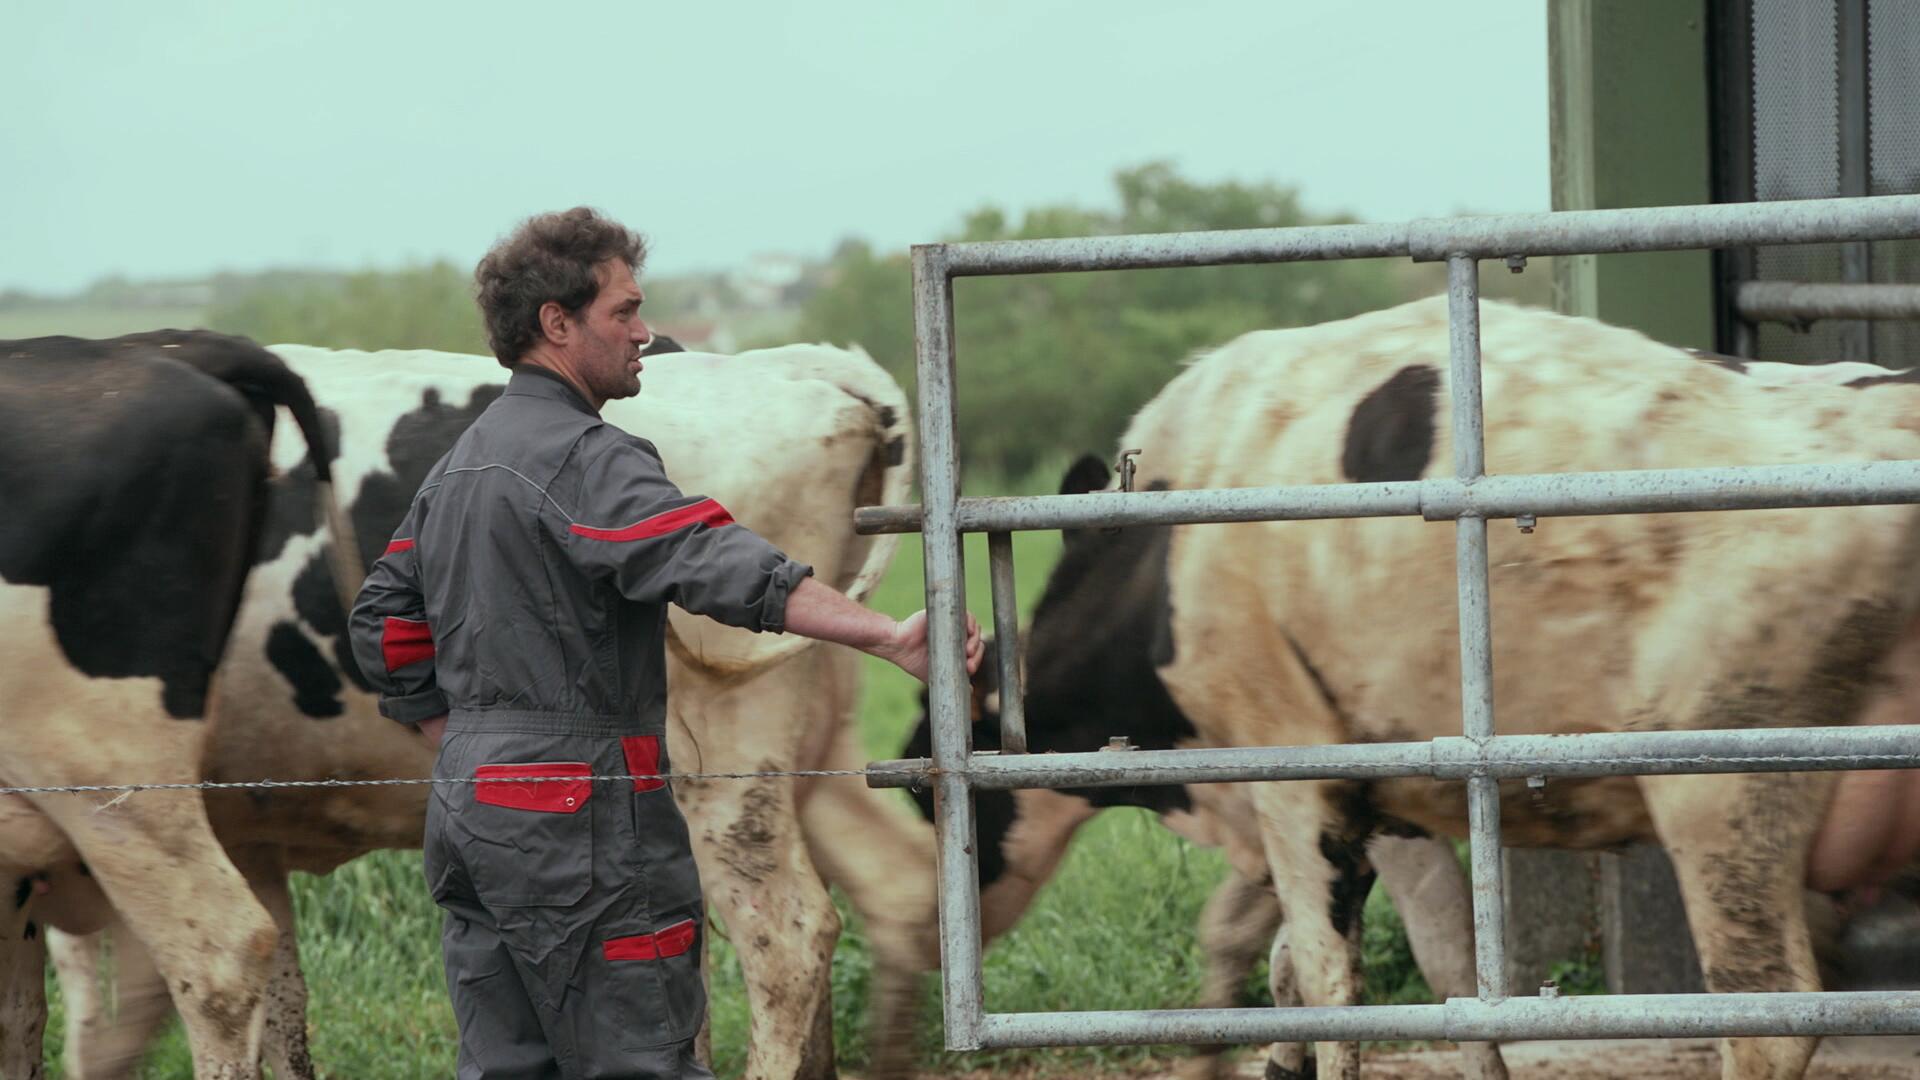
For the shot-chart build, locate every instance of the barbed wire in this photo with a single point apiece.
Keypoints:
(1775, 763)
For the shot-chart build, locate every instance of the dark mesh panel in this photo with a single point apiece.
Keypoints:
(1796, 150)
(1893, 81)
(1796, 103)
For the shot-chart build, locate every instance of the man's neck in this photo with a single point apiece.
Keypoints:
(560, 367)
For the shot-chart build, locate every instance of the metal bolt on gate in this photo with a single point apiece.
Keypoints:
(1470, 499)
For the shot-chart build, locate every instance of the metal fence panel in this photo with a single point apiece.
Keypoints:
(1470, 499)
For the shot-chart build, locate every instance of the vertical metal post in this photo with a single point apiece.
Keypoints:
(1006, 634)
(1856, 259)
(947, 675)
(1476, 632)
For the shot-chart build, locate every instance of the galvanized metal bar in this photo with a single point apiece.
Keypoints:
(1666, 228)
(1856, 258)
(1566, 232)
(1476, 629)
(1626, 1016)
(1800, 302)
(1141, 251)
(1006, 634)
(1636, 491)
(1608, 753)
(947, 675)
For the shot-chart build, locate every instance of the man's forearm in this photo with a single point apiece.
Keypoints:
(818, 611)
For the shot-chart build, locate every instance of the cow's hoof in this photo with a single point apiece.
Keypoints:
(1277, 1071)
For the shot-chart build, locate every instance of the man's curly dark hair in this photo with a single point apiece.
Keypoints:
(549, 257)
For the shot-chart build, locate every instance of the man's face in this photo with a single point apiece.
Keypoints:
(607, 355)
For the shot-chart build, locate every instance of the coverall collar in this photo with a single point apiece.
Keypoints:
(532, 380)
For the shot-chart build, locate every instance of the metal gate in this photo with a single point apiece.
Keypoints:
(1470, 499)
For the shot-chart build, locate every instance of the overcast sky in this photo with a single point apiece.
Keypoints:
(178, 138)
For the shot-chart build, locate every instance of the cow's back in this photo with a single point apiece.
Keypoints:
(1600, 623)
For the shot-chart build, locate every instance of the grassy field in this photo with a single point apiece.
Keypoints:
(1114, 930)
(85, 320)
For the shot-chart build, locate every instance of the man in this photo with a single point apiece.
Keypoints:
(518, 618)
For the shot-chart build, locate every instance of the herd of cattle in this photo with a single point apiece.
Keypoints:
(175, 563)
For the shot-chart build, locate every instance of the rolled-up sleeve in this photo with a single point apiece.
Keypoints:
(659, 545)
(392, 642)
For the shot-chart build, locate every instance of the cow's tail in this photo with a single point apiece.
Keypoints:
(265, 380)
(888, 479)
(885, 480)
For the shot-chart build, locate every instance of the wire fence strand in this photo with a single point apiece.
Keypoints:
(1777, 763)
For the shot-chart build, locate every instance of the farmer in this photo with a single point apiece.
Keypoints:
(519, 619)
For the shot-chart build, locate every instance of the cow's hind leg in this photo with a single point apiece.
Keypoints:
(1435, 901)
(284, 1044)
(115, 997)
(887, 875)
(23, 999)
(1320, 872)
(1739, 848)
(756, 873)
(1238, 925)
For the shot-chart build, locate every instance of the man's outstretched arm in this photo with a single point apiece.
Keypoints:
(818, 611)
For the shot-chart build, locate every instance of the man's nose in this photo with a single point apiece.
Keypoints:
(640, 333)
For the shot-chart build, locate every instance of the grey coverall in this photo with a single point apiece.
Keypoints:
(525, 596)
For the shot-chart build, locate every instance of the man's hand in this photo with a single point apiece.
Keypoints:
(434, 729)
(818, 611)
(909, 645)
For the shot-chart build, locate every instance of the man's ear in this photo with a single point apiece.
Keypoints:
(555, 323)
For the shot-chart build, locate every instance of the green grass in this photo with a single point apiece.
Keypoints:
(1114, 930)
(83, 320)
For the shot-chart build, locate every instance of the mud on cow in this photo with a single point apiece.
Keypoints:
(1346, 630)
(133, 488)
(789, 440)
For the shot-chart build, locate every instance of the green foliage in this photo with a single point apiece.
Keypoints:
(428, 307)
(1056, 364)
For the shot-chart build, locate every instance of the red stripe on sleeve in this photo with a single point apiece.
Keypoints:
(705, 512)
(406, 641)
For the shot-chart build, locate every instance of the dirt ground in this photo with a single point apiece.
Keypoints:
(1678, 1059)
(1653, 1059)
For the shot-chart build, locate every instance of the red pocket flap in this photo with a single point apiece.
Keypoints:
(497, 786)
(672, 941)
(643, 759)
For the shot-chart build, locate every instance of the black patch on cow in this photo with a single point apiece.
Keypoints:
(993, 810)
(1391, 434)
(1343, 843)
(316, 685)
(1102, 628)
(660, 344)
(133, 480)
(896, 450)
(1904, 378)
(32, 931)
(22, 892)
(418, 440)
(1731, 363)
(887, 417)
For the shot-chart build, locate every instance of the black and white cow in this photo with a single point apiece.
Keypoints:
(133, 492)
(790, 440)
(1346, 631)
